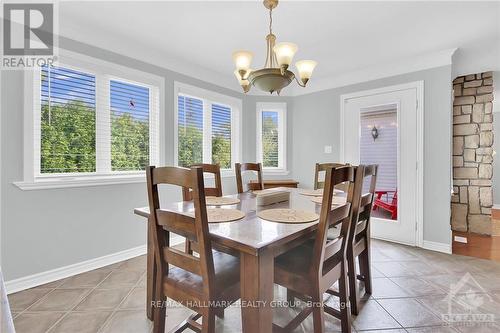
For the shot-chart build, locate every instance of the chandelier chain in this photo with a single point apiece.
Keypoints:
(271, 20)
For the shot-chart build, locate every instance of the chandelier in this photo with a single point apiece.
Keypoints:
(275, 74)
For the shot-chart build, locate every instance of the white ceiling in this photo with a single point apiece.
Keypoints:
(198, 37)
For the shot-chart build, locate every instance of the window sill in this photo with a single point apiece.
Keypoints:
(76, 181)
(276, 172)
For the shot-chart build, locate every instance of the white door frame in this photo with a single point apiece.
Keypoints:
(419, 86)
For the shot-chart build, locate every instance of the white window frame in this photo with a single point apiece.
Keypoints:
(281, 109)
(209, 98)
(104, 72)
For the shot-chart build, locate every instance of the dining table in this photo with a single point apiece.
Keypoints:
(256, 241)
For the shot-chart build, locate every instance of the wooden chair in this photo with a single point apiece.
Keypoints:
(359, 238)
(199, 283)
(209, 191)
(322, 167)
(311, 268)
(241, 167)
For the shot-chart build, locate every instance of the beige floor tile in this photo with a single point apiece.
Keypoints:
(85, 280)
(136, 299)
(410, 313)
(436, 329)
(385, 288)
(103, 299)
(60, 300)
(394, 269)
(135, 264)
(81, 322)
(415, 286)
(479, 328)
(121, 278)
(22, 300)
(373, 317)
(36, 322)
(127, 321)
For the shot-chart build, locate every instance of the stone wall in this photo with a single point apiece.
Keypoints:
(472, 153)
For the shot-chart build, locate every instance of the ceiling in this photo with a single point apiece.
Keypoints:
(198, 37)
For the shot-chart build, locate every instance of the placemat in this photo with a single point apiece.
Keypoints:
(217, 215)
(336, 201)
(287, 215)
(220, 201)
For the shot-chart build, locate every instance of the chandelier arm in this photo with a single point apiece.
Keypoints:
(298, 82)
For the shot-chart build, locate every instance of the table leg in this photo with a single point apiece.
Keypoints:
(150, 274)
(257, 293)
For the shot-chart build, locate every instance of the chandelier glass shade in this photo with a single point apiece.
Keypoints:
(275, 75)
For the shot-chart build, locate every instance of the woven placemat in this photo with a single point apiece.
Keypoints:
(221, 201)
(336, 201)
(217, 215)
(312, 193)
(287, 215)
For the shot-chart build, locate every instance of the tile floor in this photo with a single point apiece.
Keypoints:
(411, 293)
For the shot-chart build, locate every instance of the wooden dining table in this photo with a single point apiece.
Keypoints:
(257, 242)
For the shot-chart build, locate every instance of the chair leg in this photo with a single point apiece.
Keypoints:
(318, 314)
(208, 321)
(187, 247)
(352, 279)
(365, 269)
(345, 314)
(159, 313)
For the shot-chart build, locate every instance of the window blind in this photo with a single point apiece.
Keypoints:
(221, 135)
(270, 139)
(90, 123)
(129, 126)
(68, 121)
(190, 130)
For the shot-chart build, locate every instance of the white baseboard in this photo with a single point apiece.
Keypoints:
(38, 279)
(438, 247)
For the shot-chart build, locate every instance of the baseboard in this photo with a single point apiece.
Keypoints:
(38, 279)
(438, 247)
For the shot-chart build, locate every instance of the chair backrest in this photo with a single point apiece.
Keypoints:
(241, 167)
(194, 228)
(363, 202)
(209, 191)
(328, 252)
(322, 167)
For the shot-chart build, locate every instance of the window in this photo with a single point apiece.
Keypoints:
(89, 122)
(271, 136)
(207, 128)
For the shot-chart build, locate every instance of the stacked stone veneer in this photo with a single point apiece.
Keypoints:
(472, 153)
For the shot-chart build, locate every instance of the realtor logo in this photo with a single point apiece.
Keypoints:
(28, 35)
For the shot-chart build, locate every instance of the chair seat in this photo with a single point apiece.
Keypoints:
(227, 278)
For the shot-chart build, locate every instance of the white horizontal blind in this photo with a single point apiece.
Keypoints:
(221, 135)
(129, 126)
(68, 121)
(95, 123)
(270, 139)
(190, 130)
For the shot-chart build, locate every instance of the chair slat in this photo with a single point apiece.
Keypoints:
(173, 176)
(333, 247)
(183, 260)
(179, 224)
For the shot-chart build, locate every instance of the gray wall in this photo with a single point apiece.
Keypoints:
(48, 229)
(316, 124)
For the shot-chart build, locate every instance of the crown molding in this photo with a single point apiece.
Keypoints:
(407, 65)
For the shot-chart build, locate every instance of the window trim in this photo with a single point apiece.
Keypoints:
(216, 98)
(33, 179)
(281, 108)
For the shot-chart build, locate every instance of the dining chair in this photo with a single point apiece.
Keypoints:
(322, 167)
(209, 191)
(206, 283)
(241, 167)
(358, 245)
(311, 268)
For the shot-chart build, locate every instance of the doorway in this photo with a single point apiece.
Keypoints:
(383, 127)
